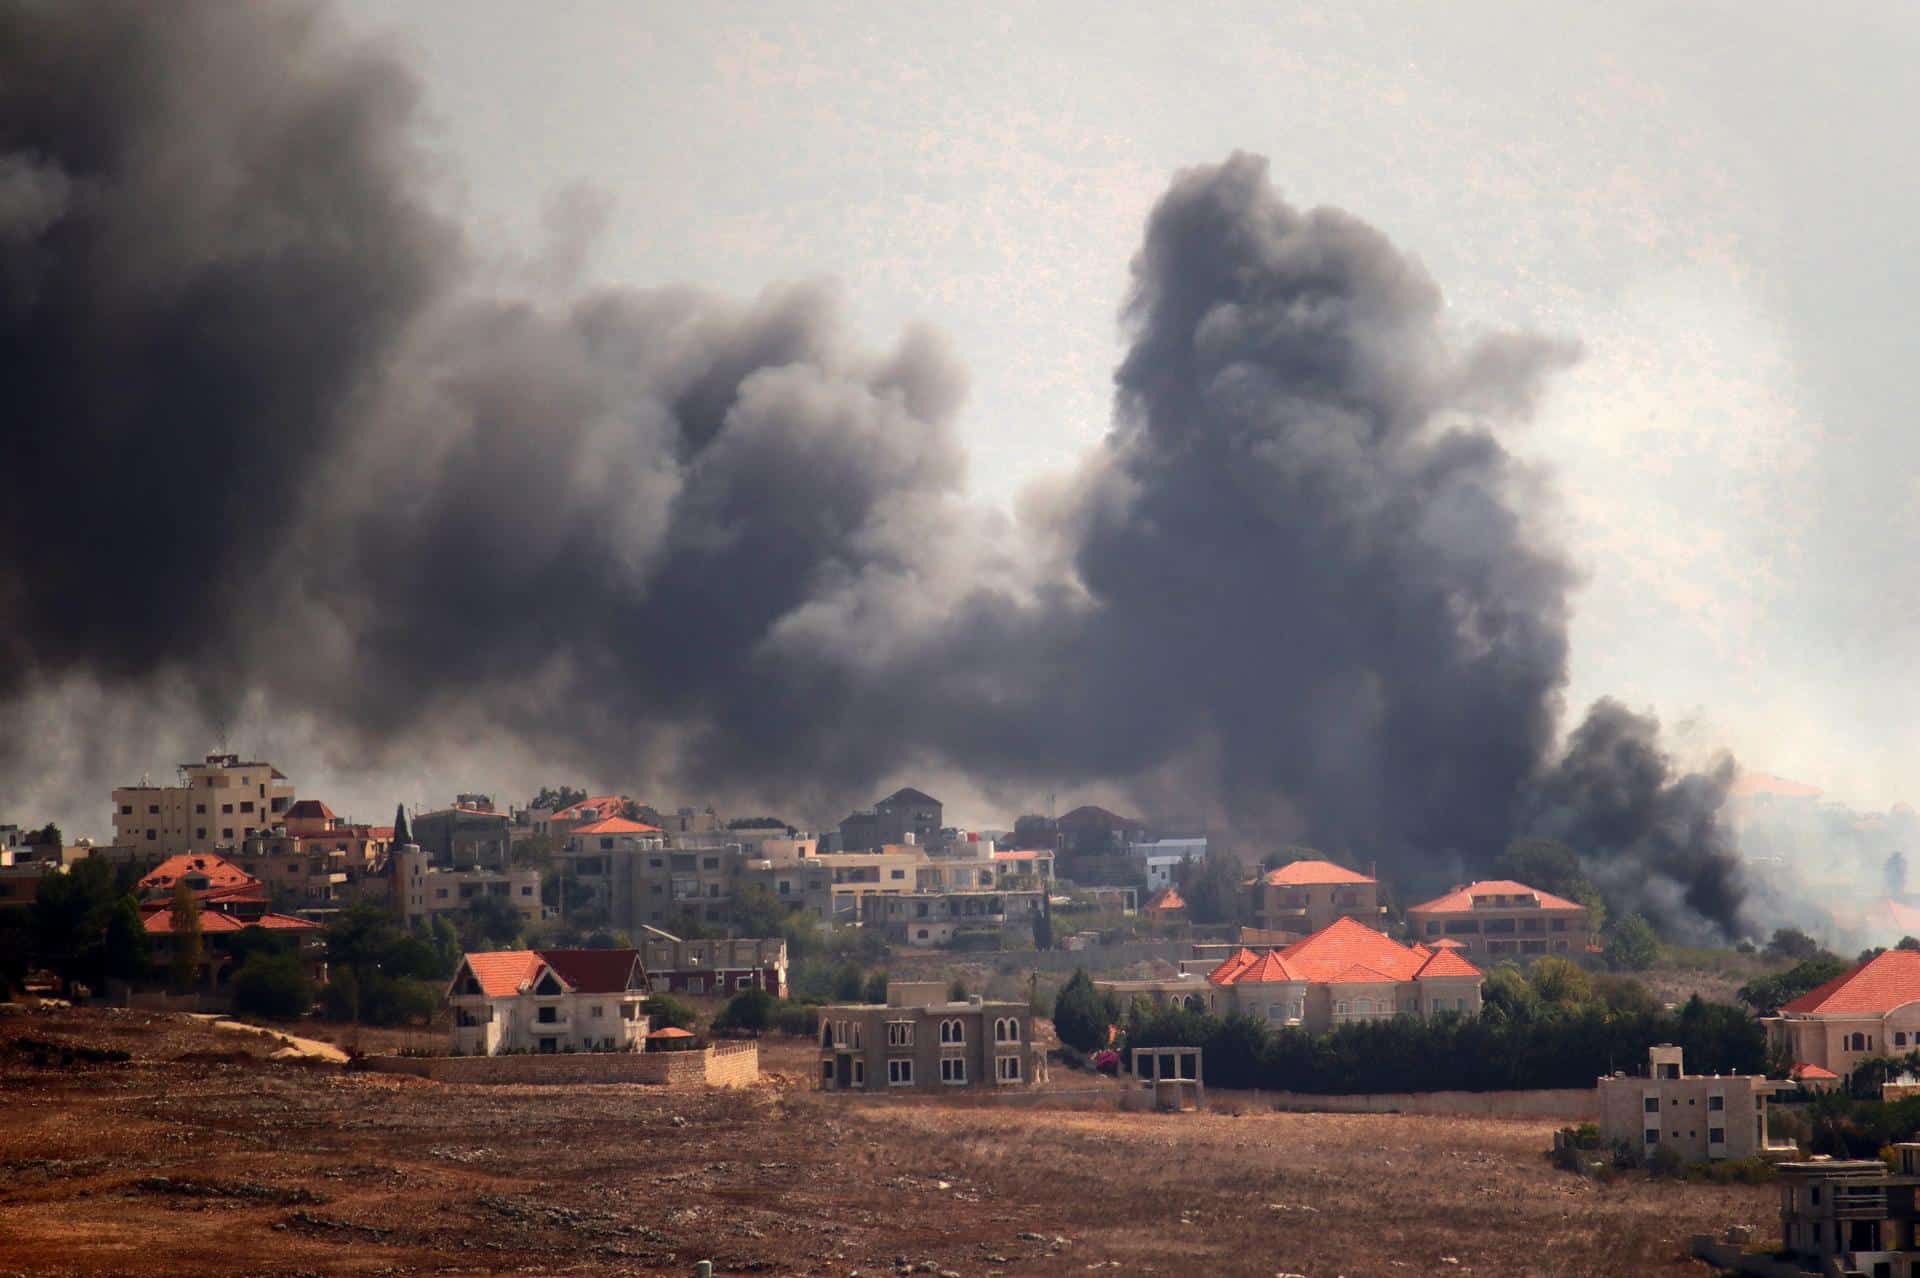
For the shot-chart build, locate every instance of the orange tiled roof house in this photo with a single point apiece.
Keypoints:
(1873, 1010)
(548, 1001)
(1503, 919)
(1344, 972)
(1306, 896)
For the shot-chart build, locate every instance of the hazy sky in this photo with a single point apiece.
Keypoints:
(1716, 202)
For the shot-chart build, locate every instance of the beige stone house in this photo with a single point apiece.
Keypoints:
(919, 1041)
(1306, 896)
(1873, 1010)
(1500, 919)
(1344, 972)
(1700, 1117)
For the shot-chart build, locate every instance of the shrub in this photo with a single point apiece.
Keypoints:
(750, 1010)
(797, 1019)
(272, 985)
(668, 1012)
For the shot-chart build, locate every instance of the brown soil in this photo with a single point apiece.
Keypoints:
(184, 1160)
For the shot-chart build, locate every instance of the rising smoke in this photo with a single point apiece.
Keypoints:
(273, 444)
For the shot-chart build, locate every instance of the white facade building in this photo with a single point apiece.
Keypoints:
(549, 1001)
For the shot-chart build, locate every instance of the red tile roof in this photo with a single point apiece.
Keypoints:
(1301, 873)
(616, 825)
(1752, 784)
(219, 872)
(1462, 898)
(160, 922)
(1166, 900)
(310, 810)
(1876, 987)
(671, 1031)
(1341, 953)
(593, 971)
(504, 973)
(1802, 1070)
(593, 809)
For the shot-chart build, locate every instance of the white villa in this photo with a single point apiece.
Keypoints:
(549, 1001)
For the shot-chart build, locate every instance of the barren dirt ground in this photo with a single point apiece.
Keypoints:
(197, 1156)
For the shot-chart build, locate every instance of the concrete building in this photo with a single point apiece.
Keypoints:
(1022, 867)
(936, 918)
(1160, 859)
(22, 864)
(674, 884)
(548, 1001)
(467, 835)
(891, 871)
(1344, 972)
(1165, 906)
(218, 804)
(559, 825)
(1838, 1218)
(905, 816)
(313, 859)
(805, 884)
(1503, 919)
(723, 966)
(418, 889)
(1700, 1117)
(605, 857)
(1873, 1010)
(1307, 896)
(917, 1040)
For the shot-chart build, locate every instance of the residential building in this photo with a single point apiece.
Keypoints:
(675, 884)
(905, 816)
(891, 871)
(418, 889)
(936, 918)
(214, 881)
(548, 1001)
(1160, 859)
(218, 929)
(1872, 1010)
(1700, 1117)
(805, 884)
(1166, 906)
(22, 865)
(559, 825)
(604, 857)
(1344, 972)
(313, 859)
(1022, 867)
(1096, 847)
(218, 804)
(722, 966)
(1502, 919)
(470, 834)
(1124, 901)
(918, 1040)
(1308, 896)
(1838, 1216)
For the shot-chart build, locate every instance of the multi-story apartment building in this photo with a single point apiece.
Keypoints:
(1022, 867)
(313, 859)
(1308, 896)
(918, 1040)
(1503, 919)
(805, 884)
(891, 871)
(605, 857)
(470, 834)
(935, 918)
(675, 884)
(548, 1001)
(1700, 1117)
(22, 864)
(417, 889)
(905, 816)
(218, 804)
(1873, 1010)
(714, 966)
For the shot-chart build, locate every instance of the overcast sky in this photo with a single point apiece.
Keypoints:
(1717, 202)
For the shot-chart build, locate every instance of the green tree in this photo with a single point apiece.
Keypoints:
(1631, 945)
(751, 1010)
(490, 923)
(1766, 994)
(1792, 943)
(1214, 889)
(125, 951)
(1043, 925)
(668, 1012)
(875, 989)
(184, 927)
(1082, 1016)
(1507, 994)
(553, 798)
(1908, 943)
(273, 984)
(67, 917)
(1560, 983)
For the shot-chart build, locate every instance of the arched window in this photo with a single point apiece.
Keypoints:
(826, 1033)
(953, 1031)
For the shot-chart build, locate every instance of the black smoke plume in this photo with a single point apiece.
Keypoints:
(276, 449)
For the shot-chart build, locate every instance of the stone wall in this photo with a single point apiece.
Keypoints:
(722, 1065)
(1555, 1103)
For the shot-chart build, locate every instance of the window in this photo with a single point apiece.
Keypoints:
(526, 891)
(246, 805)
(1653, 1135)
(200, 833)
(899, 874)
(439, 894)
(153, 809)
(900, 1073)
(710, 863)
(953, 1031)
(899, 1033)
(953, 1069)
(126, 809)
(596, 1012)
(1653, 1105)
(1716, 1102)
(1900, 1038)
(1006, 1069)
(859, 1073)
(548, 1015)
(226, 809)
(152, 835)
(742, 982)
(1716, 1135)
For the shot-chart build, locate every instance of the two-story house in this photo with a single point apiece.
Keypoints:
(1502, 919)
(1873, 1010)
(1306, 896)
(918, 1040)
(548, 1001)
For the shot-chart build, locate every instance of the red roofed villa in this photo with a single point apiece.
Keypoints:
(1344, 972)
(1306, 896)
(1499, 918)
(548, 1001)
(1873, 1010)
(1166, 906)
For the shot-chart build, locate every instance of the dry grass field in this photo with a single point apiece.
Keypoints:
(198, 1157)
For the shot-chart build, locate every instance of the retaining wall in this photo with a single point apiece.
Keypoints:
(1565, 1102)
(721, 1065)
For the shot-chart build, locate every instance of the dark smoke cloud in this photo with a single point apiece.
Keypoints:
(277, 443)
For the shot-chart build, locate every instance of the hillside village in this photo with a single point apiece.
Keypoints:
(1068, 961)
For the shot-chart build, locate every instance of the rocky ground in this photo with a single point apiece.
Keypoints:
(144, 1144)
